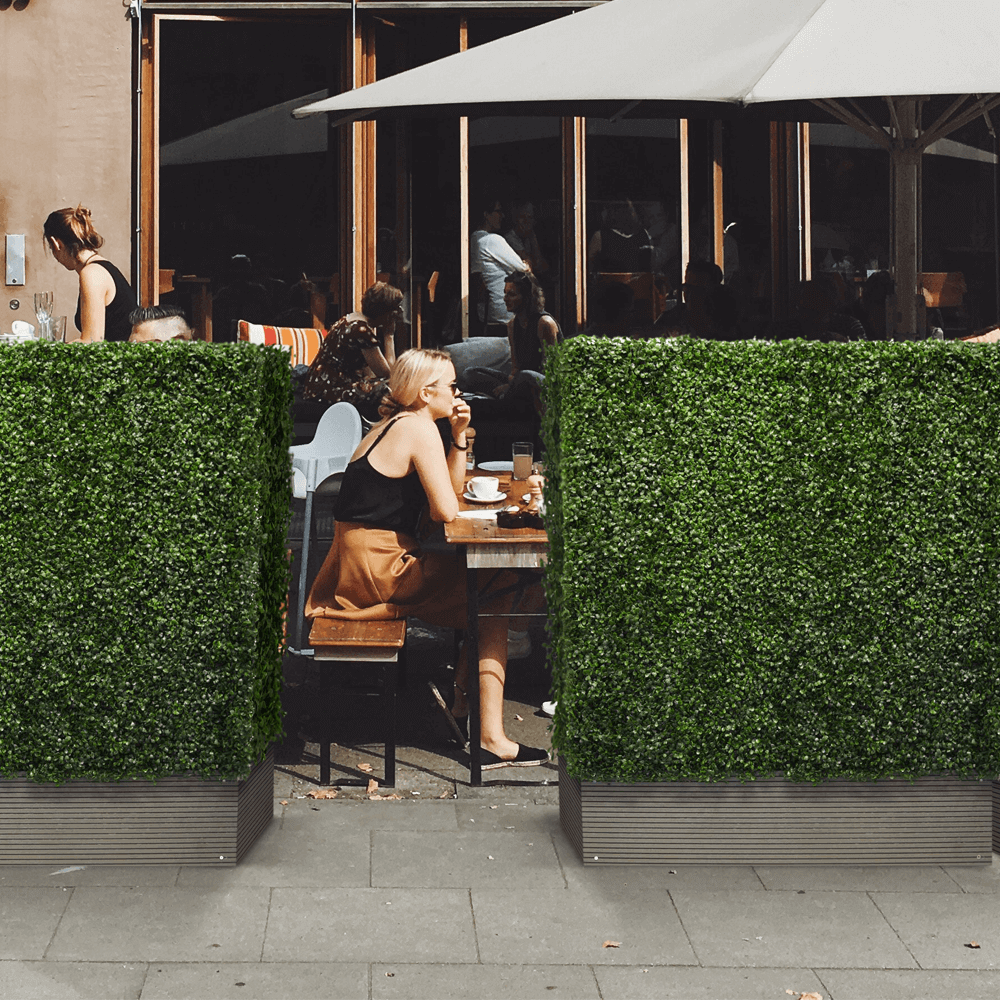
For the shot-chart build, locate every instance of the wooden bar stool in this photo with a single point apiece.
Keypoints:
(376, 642)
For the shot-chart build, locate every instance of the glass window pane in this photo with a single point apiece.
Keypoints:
(248, 195)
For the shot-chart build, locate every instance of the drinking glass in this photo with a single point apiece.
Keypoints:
(522, 452)
(57, 329)
(43, 307)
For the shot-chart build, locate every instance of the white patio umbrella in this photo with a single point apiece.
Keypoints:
(683, 55)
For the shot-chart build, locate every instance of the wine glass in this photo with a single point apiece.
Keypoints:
(43, 308)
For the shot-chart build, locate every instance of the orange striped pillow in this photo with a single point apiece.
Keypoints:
(302, 343)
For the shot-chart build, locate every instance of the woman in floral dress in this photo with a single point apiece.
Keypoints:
(354, 360)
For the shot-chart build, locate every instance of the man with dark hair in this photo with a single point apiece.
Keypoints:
(155, 324)
(493, 258)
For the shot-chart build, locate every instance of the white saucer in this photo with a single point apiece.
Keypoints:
(474, 499)
(496, 466)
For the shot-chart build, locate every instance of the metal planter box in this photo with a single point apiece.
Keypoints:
(175, 821)
(936, 820)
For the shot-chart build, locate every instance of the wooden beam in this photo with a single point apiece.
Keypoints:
(718, 214)
(148, 292)
(685, 213)
(573, 288)
(463, 193)
(805, 204)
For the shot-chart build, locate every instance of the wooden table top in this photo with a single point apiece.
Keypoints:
(484, 531)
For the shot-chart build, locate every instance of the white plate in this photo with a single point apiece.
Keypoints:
(478, 513)
(474, 499)
(497, 466)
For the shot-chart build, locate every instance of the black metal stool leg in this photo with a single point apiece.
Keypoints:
(391, 672)
(326, 723)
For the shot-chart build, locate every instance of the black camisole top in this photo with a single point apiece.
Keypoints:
(116, 315)
(371, 498)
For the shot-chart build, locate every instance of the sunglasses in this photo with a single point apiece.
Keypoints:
(455, 391)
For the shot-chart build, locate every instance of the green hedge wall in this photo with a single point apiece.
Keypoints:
(143, 509)
(774, 559)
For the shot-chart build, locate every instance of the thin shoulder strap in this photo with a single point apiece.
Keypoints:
(382, 435)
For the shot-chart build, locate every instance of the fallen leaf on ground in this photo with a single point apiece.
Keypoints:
(364, 767)
(372, 786)
(611, 944)
(283, 802)
(445, 795)
(805, 996)
(323, 793)
(972, 944)
(385, 798)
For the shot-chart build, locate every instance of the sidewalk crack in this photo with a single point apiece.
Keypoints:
(267, 920)
(894, 931)
(475, 930)
(55, 930)
(694, 951)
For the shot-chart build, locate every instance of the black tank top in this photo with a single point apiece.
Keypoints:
(528, 352)
(116, 314)
(369, 497)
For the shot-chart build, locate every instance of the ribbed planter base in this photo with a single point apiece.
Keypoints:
(176, 821)
(929, 821)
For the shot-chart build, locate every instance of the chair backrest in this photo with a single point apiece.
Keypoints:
(338, 433)
(302, 344)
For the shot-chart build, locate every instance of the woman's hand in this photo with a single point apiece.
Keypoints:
(461, 417)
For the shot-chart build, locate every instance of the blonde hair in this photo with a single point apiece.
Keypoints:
(414, 369)
(73, 228)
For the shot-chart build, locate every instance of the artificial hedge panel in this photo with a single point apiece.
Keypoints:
(774, 559)
(143, 510)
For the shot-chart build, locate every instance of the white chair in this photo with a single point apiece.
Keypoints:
(337, 436)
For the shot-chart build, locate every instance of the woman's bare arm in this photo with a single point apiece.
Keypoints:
(436, 471)
(376, 361)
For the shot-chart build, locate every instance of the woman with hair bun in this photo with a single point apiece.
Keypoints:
(376, 570)
(106, 300)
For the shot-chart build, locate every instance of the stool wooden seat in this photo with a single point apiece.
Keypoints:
(377, 642)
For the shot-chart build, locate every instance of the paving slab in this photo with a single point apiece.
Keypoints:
(257, 981)
(977, 878)
(338, 815)
(570, 926)
(483, 982)
(156, 924)
(905, 984)
(71, 980)
(28, 919)
(680, 983)
(693, 878)
(300, 851)
(788, 929)
(463, 860)
(937, 927)
(120, 875)
(370, 925)
(857, 878)
(508, 817)
(543, 791)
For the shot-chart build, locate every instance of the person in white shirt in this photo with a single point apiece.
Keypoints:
(492, 257)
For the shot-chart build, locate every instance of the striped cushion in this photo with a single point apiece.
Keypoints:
(301, 343)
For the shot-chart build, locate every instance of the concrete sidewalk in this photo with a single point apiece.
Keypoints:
(481, 896)
(477, 895)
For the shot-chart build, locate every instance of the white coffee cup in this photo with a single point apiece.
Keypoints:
(484, 487)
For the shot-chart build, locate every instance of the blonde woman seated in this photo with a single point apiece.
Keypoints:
(375, 568)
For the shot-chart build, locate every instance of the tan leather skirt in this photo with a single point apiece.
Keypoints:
(373, 574)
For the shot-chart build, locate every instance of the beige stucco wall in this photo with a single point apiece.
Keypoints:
(65, 136)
